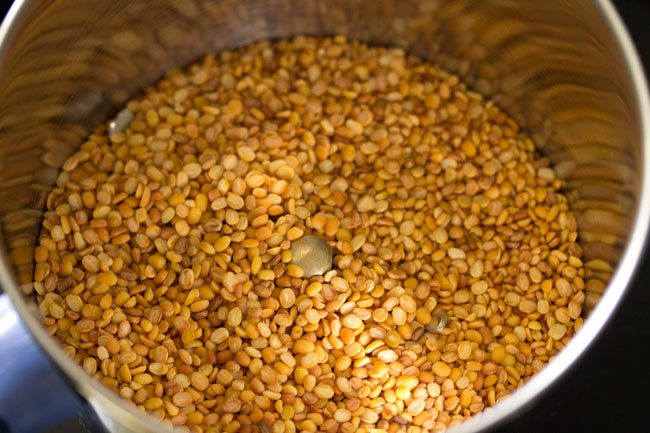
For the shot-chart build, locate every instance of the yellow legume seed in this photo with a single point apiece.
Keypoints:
(182, 228)
(402, 393)
(342, 415)
(464, 350)
(286, 256)
(342, 363)
(246, 153)
(303, 346)
(266, 275)
(498, 354)
(287, 298)
(222, 243)
(256, 265)
(143, 379)
(313, 289)
(324, 391)
(408, 382)
(164, 263)
(107, 278)
(234, 317)
(423, 316)
(182, 399)
(440, 368)
(194, 216)
(295, 271)
(557, 331)
(352, 321)
(74, 302)
(294, 233)
(312, 316)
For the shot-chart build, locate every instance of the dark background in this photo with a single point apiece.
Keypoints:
(608, 390)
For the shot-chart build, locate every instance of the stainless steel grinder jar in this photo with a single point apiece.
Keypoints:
(564, 69)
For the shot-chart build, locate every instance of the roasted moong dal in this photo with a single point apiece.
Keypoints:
(164, 263)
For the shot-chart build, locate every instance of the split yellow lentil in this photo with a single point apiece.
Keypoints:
(164, 263)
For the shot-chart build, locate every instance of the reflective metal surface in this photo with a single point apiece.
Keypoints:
(565, 69)
(312, 254)
(20, 357)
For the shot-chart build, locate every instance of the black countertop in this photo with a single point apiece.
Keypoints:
(607, 390)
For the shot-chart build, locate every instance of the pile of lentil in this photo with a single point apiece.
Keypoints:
(164, 262)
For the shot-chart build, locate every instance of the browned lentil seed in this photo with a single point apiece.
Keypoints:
(455, 273)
